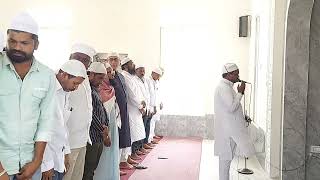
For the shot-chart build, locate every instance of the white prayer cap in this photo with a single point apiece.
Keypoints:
(139, 66)
(107, 65)
(1, 42)
(113, 54)
(24, 22)
(84, 49)
(229, 67)
(125, 60)
(74, 68)
(102, 55)
(158, 71)
(97, 67)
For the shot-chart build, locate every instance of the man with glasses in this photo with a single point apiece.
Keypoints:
(124, 133)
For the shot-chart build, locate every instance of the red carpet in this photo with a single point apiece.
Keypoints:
(182, 163)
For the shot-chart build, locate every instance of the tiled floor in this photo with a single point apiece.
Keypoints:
(209, 169)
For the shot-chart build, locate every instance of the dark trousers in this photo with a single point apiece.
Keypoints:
(146, 122)
(136, 146)
(57, 176)
(93, 154)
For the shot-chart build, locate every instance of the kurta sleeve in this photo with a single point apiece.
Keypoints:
(132, 94)
(47, 161)
(230, 102)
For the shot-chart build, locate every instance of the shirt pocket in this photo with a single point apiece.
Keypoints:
(38, 95)
(6, 96)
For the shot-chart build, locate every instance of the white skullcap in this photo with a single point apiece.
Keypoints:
(102, 55)
(97, 67)
(84, 49)
(229, 67)
(139, 66)
(107, 65)
(158, 71)
(1, 42)
(24, 22)
(74, 68)
(125, 60)
(113, 54)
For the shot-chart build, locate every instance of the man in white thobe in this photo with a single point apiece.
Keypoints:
(153, 83)
(136, 107)
(68, 78)
(144, 89)
(81, 116)
(229, 124)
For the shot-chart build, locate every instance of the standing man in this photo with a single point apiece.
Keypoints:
(121, 95)
(153, 83)
(68, 78)
(230, 126)
(80, 118)
(99, 133)
(26, 102)
(136, 106)
(144, 88)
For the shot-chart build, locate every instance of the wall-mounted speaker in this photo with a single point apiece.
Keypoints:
(244, 26)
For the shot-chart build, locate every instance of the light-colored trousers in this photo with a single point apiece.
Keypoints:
(124, 153)
(224, 168)
(152, 129)
(77, 160)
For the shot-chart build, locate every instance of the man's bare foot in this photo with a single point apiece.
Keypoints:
(133, 159)
(140, 153)
(125, 165)
(145, 151)
(157, 137)
(146, 146)
(122, 173)
(151, 145)
(155, 142)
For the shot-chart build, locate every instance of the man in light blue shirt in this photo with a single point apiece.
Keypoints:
(26, 102)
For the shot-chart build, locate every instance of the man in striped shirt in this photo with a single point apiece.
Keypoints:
(98, 129)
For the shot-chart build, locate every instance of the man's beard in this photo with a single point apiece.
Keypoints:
(18, 56)
(132, 71)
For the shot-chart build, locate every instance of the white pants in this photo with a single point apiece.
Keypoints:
(77, 159)
(124, 153)
(152, 128)
(224, 168)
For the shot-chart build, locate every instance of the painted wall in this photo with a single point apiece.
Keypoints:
(107, 25)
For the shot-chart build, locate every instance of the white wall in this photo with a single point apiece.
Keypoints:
(134, 27)
(217, 25)
(108, 25)
(269, 94)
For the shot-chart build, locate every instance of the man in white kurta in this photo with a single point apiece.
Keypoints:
(136, 106)
(68, 78)
(230, 129)
(144, 89)
(81, 116)
(153, 83)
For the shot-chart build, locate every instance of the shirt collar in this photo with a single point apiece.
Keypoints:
(34, 66)
(227, 82)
